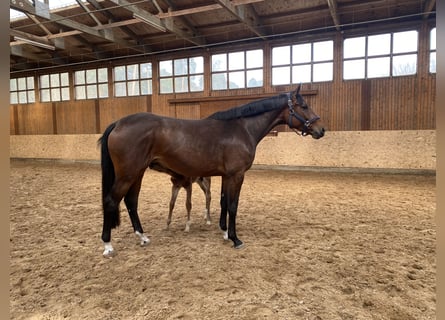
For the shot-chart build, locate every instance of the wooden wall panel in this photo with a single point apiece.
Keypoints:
(35, 118)
(76, 118)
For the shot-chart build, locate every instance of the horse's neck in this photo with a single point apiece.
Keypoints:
(259, 126)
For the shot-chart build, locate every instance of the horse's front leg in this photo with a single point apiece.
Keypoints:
(204, 183)
(131, 202)
(223, 216)
(232, 189)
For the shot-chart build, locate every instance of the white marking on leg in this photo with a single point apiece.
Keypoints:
(143, 237)
(207, 217)
(109, 251)
(187, 226)
(226, 235)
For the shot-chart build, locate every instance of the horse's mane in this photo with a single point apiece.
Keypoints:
(250, 109)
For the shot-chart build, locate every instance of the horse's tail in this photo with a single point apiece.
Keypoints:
(108, 176)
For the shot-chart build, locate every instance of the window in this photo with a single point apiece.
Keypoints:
(181, 75)
(133, 80)
(382, 55)
(91, 84)
(237, 70)
(307, 62)
(54, 87)
(433, 50)
(22, 90)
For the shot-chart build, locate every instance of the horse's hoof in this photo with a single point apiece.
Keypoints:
(109, 254)
(225, 235)
(208, 223)
(238, 245)
(145, 242)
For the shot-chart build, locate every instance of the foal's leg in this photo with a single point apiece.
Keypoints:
(204, 183)
(175, 191)
(188, 205)
(131, 202)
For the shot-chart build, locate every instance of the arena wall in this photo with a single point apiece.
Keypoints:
(396, 150)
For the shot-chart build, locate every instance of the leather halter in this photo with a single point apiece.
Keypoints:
(307, 124)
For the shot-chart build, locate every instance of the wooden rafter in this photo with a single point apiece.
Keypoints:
(246, 14)
(333, 9)
(429, 5)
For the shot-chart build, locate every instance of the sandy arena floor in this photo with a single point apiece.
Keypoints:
(318, 246)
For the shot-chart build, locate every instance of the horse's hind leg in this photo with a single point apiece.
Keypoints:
(188, 205)
(175, 191)
(131, 202)
(223, 216)
(204, 183)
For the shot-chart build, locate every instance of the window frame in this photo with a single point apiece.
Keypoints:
(132, 83)
(171, 79)
(28, 92)
(236, 71)
(56, 91)
(96, 84)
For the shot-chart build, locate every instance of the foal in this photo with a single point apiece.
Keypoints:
(186, 183)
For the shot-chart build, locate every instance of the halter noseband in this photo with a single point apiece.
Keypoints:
(307, 124)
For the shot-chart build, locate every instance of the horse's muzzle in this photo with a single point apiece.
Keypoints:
(317, 133)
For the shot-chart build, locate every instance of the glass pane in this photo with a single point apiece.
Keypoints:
(219, 62)
(146, 71)
(146, 87)
(301, 73)
(133, 72)
(13, 84)
(181, 84)
(379, 44)
(92, 91)
(236, 80)
(254, 78)
(30, 82)
(119, 73)
(23, 97)
(236, 60)
(102, 75)
(254, 59)
(79, 77)
(13, 99)
(404, 41)
(55, 94)
(433, 39)
(80, 93)
(120, 89)
(166, 68)
(31, 96)
(196, 65)
(166, 85)
(301, 53)
(354, 47)
(64, 79)
(65, 94)
(44, 81)
(133, 88)
(91, 76)
(55, 80)
(44, 95)
(378, 67)
(280, 76)
(354, 69)
(324, 50)
(197, 83)
(22, 83)
(404, 65)
(323, 71)
(103, 90)
(181, 66)
(219, 81)
(433, 62)
(280, 55)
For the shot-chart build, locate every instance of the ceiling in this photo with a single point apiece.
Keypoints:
(102, 30)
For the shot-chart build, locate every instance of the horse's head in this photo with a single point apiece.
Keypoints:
(302, 117)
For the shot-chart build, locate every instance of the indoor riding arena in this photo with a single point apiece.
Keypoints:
(315, 121)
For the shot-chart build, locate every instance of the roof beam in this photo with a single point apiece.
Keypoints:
(246, 15)
(26, 6)
(155, 21)
(429, 5)
(333, 9)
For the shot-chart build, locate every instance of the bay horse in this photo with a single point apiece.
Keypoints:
(223, 144)
(186, 183)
